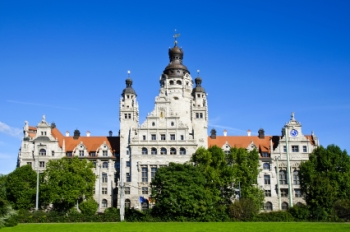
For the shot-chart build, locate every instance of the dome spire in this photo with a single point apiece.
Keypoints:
(175, 38)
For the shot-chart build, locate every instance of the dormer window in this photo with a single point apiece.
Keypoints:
(81, 153)
(105, 153)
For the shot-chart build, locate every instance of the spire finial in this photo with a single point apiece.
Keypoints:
(293, 116)
(198, 71)
(175, 38)
(128, 73)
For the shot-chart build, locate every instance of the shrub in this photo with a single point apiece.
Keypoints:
(7, 215)
(276, 216)
(242, 210)
(300, 212)
(342, 209)
(88, 207)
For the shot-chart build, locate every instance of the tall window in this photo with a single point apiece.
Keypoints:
(144, 174)
(162, 137)
(143, 137)
(128, 163)
(284, 148)
(126, 116)
(268, 206)
(42, 152)
(283, 177)
(284, 192)
(153, 137)
(172, 137)
(153, 172)
(105, 165)
(127, 190)
(297, 192)
(104, 178)
(163, 151)
(104, 203)
(128, 177)
(53, 153)
(284, 206)
(172, 151)
(304, 148)
(296, 179)
(201, 115)
(266, 166)
(144, 151)
(267, 193)
(182, 137)
(154, 151)
(295, 148)
(104, 190)
(144, 190)
(267, 179)
(197, 115)
(105, 153)
(81, 153)
(127, 204)
(182, 151)
(42, 164)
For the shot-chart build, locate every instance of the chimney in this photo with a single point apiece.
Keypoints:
(225, 132)
(261, 133)
(110, 133)
(67, 133)
(88, 134)
(249, 132)
(213, 133)
(76, 134)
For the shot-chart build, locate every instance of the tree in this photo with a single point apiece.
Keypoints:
(21, 187)
(3, 186)
(7, 215)
(66, 181)
(179, 192)
(88, 207)
(245, 166)
(325, 178)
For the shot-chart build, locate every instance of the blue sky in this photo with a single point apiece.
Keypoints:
(259, 61)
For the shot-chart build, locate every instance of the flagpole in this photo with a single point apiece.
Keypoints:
(288, 171)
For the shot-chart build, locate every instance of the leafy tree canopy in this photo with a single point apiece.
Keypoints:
(21, 187)
(3, 186)
(66, 181)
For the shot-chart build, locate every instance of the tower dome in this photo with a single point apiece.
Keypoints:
(175, 67)
(198, 88)
(128, 89)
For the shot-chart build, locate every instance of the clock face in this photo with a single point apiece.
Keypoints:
(293, 132)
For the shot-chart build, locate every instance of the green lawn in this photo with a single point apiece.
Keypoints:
(184, 226)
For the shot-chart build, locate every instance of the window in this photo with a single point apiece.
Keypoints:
(127, 204)
(266, 166)
(94, 163)
(144, 137)
(53, 153)
(105, 165)
(267, 193)
(284, 206)
(105, 153)
(182, 137)
(154, 151)
(296, 179)
(178, 82)
(128, 177)
(127, 152)
(297, 192)
(182, 151)
(284, 148)
(104, 190)
(29, 163)
(172, 123)
(295, 148)
(153, 172)
(163, 151)
(172, 137)
(268, 206)
(144, 174)
(265, 154)
(197, 115)
(127, 163)
(284, 192)
(144, 151)
(117, 165)
(172, 151)
(201, 115)
(81, 153)
(267, 180)
(144, 190)
(92, 154)
(104, 203)
(104, 178)
(144, 206)
(69, 154)
(162, 137)
(127, 190)
(171, 82)
(126, 116)
(304, 149)
(153, 123)
(42, 164)
(42, 152)
(283, 177)
(153, 137)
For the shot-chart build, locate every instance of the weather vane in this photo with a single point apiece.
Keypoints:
(175, 37)
(198, 71)
(129, 73)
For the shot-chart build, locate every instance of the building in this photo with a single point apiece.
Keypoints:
(172, 132)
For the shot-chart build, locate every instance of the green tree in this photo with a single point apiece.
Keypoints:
(88, 207)
(66, 181)
(21, 187)
(3, 186)
(245, 166)
(180, 193)
(325, 178)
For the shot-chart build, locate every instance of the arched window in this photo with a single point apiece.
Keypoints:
(172, 123)
(104, 203)
(127, 204)
(283, 177)
(284, 206)
(163, 151)
(179, 82)
(105, 165)
(144, 151)
(182, 151)
(154, 151)
(42, 152)
(144, 206)
(172, 151)
(268, 206)
(267, 179)
(266, 166)
(171, 82)
(296, 179)
(104, 177)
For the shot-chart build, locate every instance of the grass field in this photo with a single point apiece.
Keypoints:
(184, 226)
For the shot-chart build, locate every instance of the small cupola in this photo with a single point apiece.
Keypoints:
(76, 134)
(198, 88)
(261, 133)
(213, 133)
